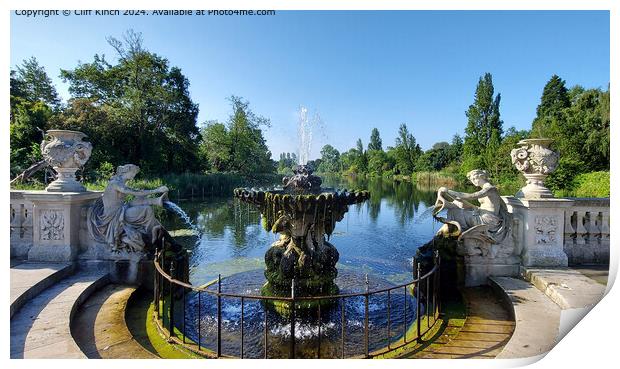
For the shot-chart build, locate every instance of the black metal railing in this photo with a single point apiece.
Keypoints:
(171, 293)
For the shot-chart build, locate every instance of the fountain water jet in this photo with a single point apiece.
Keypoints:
(306, 123)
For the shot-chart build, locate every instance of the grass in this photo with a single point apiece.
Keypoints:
(434, 179)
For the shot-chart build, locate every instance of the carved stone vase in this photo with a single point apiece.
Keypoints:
(536, 161)
(65, 152)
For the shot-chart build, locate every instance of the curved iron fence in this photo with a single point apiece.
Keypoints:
(171, 293)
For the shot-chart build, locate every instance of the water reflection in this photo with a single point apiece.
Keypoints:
(379, 236)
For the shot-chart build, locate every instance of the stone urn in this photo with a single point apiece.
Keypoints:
(536, 161)
(65, 152)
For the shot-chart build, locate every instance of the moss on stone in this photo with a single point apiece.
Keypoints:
(139, 318)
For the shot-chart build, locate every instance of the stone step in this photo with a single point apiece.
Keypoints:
(566, 287)
(537, 318)
(42, 327)
(100, 329)
(29, 279)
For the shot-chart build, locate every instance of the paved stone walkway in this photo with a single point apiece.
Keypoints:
(41, 328)
(567, 287)
(29, 279)
(100, 329)
(486, 331)
(599, 273)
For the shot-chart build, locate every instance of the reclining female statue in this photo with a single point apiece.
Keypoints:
(489, 223)
(123, 224)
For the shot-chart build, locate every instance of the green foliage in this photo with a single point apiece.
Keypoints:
(142, 108)
(287, 161)
(484, 126)
(579, 122)
(361, 159)
(562, 178)
(31, 83)
(106, 170)
(33, 102)
(215, 146)
(238, 145)
(28, 122)
(330, 160)
(594, 184)
(434, 159)
(553, 100)
(379, 163)
(375, 142)
(407, 151)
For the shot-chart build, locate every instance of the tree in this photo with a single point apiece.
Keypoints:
(147, 98)
(348, 161)
(31, 82)
(378, 162)
(330, 160)
(33, 102)
(484, 126)
(406, 151)
(456, 149)
(238, 145)
(286, 162)
(26, 133)
(215, 146)
(553, 101)
(375, 141)
(580, 129)
(361, 160)
(437, 158)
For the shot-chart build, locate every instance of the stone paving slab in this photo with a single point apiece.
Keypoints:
(41, 328)
(599, 273)
(566, 287)
(537, 318)
(100, 329)
(29, 279)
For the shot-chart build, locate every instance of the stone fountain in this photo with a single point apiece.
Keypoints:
(303, 213)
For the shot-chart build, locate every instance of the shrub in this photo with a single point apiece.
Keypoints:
(594, 184)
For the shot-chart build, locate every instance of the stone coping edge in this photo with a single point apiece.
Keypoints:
(41, 285)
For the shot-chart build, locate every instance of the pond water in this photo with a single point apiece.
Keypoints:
(378, 238)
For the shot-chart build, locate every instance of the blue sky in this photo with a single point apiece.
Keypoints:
(359, 70)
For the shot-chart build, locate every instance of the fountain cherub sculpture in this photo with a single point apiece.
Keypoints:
(126, 225)
(481, 230)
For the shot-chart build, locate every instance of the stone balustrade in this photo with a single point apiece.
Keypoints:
(586, 231)
(21, 225)
(586, 226)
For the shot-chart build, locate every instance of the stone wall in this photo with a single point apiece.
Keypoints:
(21, 225)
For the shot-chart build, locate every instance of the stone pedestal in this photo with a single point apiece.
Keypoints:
(56, 223)
(478, 269)
(542, 231)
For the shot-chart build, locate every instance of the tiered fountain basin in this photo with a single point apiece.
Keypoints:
(302, 261)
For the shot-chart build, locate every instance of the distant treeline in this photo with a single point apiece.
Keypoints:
(138, 109)
(576, 118)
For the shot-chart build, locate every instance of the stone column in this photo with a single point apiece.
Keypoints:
(542, 232)
(56, 223)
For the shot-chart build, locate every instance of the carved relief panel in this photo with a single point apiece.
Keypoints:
(546, 230)
(52, 225)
